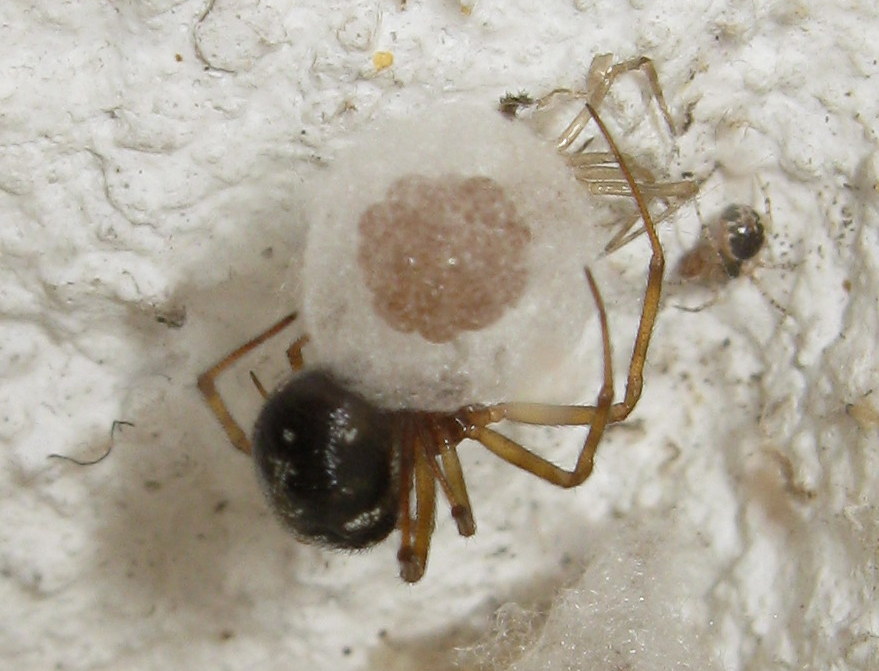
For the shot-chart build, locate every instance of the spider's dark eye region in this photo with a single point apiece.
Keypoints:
(745, 231)
(326, 459)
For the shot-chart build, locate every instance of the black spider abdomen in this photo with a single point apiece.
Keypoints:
(327, 462)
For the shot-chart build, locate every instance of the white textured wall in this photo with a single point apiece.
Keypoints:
(155, 156)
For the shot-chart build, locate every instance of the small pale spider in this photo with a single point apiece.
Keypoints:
(725, 247)
(342, 472)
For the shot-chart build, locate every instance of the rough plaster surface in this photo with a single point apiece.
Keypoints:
(155, 158)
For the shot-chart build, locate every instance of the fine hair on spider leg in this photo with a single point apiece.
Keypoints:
(342, 472)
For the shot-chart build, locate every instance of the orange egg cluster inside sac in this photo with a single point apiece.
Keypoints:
(442, 255)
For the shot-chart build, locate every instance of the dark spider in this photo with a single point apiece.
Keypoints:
(343, 473)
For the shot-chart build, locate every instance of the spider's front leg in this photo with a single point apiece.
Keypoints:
(416, 526)
(207, 385)
(604, 411)
(514, 453)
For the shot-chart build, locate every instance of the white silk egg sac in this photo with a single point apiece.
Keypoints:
(444, 262)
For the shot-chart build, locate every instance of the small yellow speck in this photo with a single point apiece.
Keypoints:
(864, 413)
(382, 60)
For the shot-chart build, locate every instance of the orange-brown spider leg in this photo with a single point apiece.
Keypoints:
(256, 383)
(514, 453)
(207, 385)
(452, 482)
(443, 460)
(652, 293)
(294, 353)
(405, 438)
(425, 511)
(427, 459)
(415, 542)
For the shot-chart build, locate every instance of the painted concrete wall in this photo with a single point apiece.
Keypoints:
(160, 162)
